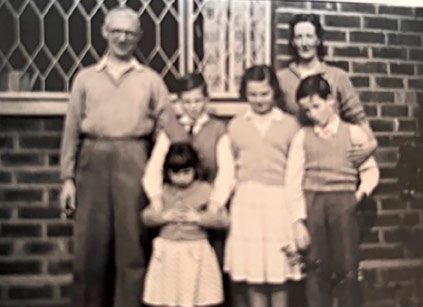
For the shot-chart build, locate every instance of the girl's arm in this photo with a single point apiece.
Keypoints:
(225, 177)
(214, 218)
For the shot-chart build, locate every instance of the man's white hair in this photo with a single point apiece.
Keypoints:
(124, 10)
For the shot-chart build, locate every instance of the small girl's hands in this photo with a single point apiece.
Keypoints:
(173, 215)
(301, 235)
(191, 216)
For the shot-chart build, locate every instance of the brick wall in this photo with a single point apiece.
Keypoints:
(381, 49)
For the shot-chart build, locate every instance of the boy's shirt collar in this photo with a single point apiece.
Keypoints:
(330, 129)
(187, 122)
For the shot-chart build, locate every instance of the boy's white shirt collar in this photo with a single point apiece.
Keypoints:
(330, 129)
(187, 121)
(275, 114)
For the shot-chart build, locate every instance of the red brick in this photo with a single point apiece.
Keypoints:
(12, 195)
(416, 54)
(40, 142)
(411, 219)
(366, 96)
(386, 82)
(39, 177)
(386, 155)
(59, 267)
(379, 294)
(394, 204)
(325, 6)
(18, 267)
(284, 17)
(383, 140)
(22, 159)
(388, 220)
(386, 172)
(389, 53)
(335, 36)
(20, 230)
(358, 7)
(380, 23)
(370, 110)
(418, 11)
(382, 253)
(282, 49)
(39, 213)
(371, 237)
(282, 33)
(400, 140)
(6, 248)
(402, 69)
(59, 230)
(395, 110)
(407, 125)
(66, 291)
(416, 84)
(411, 26)
(39, 248)
(6, 142)
(404, 39)
(5, 213)
(341, 64)
(372, 67)
(53, 160)
(30, 292)
(382, 124)
(395, 10)
(18, 123)
(342, 21)
(292, 4)
(360, 81)
(419, 69)
(351, 52)
(401, 274)
(367, 37)
(386, 189)
(417, 203)
(394, 236)
(53, 195)
(53, 124)
(5, 177)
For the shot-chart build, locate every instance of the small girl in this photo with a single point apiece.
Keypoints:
(265, 230)
(183, 270)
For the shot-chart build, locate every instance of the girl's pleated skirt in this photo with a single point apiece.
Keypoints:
(260, 232)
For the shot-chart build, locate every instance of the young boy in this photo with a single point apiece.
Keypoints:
(320, 174)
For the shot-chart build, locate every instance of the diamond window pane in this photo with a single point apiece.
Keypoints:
(30, 29)
(6, 22)
(54, 35)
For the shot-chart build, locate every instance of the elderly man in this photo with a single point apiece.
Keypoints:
(114, 107)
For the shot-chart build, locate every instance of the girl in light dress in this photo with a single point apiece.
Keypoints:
(183, 269)
(266, 231)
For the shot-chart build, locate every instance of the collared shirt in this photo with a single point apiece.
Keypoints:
(368, 171)
(348, 103)
(262, 122)
(223, 183)
(129, 104)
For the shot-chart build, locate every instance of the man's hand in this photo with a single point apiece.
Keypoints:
(67, 198)
(359, 196)
(360, 152)
(301, 235)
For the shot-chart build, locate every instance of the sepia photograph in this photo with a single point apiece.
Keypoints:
(234, 153)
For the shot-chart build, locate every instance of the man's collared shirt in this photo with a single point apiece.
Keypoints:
(105, 106)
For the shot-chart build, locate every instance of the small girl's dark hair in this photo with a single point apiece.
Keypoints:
(181, 155)
(192, 81)
(313, 85)
(314, 20)
(261, 73)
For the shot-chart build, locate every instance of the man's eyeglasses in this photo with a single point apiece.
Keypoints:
(119, 32)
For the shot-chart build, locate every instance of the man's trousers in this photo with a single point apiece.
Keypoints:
(109, 261)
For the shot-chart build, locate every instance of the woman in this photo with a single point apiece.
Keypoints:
(306, 45)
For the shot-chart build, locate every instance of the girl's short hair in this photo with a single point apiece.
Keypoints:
(261, 73)
(313, 85)
(314, 20)
(192, 81)
(179, 156)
